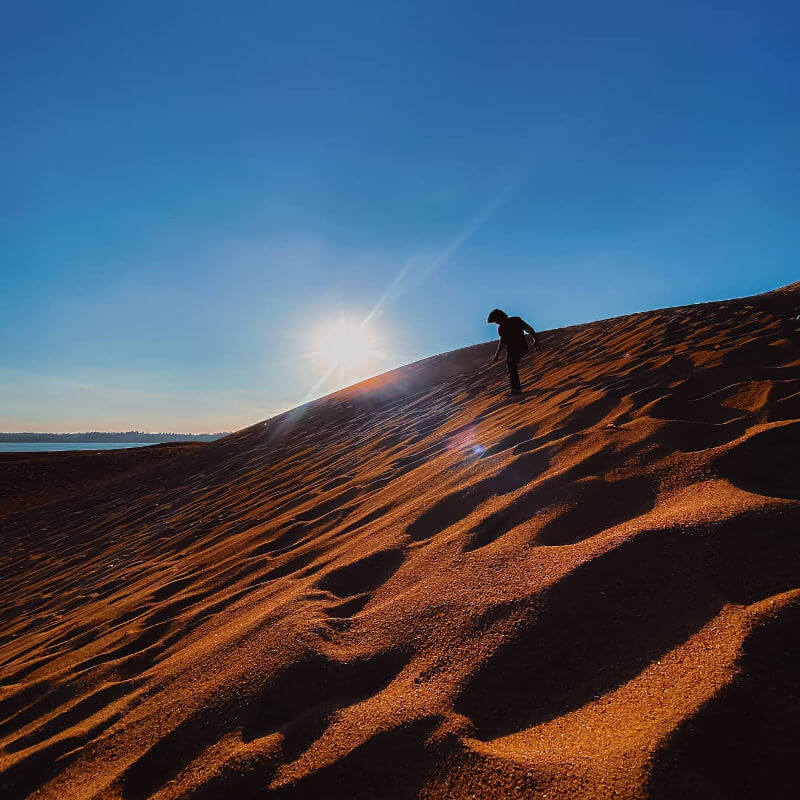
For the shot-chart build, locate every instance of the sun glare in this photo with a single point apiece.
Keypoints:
(346, 350)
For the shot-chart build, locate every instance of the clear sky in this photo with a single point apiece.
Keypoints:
(194, 193)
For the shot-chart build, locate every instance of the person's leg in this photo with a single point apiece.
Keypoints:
(512, 361)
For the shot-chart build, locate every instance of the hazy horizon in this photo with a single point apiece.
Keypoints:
(200, 206)
(91, 431)
(290, 407)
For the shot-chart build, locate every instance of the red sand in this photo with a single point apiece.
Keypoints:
(419, 588)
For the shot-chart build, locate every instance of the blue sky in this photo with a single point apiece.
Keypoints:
(193, 193)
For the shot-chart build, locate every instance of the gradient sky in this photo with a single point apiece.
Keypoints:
(192, 192)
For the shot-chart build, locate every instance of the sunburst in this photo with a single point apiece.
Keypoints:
(346, 349)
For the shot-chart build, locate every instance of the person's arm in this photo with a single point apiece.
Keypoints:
(500, 346)
(532, 332)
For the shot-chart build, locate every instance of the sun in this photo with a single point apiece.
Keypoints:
(343, 345)
(345, 349)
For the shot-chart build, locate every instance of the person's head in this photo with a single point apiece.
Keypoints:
(496, 316)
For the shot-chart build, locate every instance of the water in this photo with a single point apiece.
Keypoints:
(54, 447)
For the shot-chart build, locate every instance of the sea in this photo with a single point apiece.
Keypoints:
(55, 447)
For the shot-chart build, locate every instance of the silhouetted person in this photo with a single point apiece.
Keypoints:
(512, 332)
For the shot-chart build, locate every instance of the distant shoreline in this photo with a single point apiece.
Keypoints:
(104, 436)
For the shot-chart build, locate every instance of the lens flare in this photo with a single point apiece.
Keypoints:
(345, 350)
(342, 345)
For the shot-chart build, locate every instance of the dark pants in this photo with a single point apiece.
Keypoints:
(512, 362)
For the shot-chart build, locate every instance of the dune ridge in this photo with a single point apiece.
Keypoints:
(417, 587)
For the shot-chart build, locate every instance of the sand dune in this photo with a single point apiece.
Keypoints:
(417, 587)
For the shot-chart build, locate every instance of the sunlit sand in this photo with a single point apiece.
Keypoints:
(416, 587)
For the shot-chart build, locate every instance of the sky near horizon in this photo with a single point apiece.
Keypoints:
(194, 195)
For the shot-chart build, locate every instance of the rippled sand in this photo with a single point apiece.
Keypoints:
(417, 587)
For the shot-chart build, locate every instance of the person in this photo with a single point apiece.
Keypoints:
(512, 332)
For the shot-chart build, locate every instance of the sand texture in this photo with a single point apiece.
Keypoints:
(418, 587)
